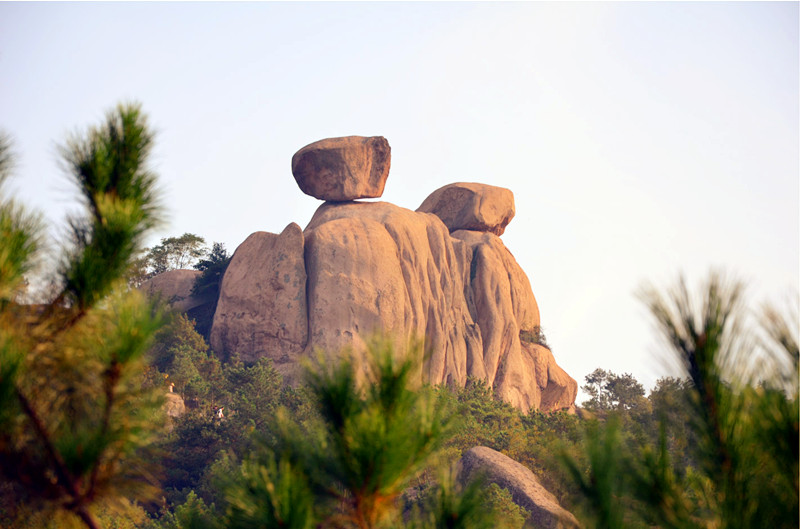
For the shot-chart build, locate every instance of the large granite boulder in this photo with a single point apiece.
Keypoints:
(341, 169)
(471, 206)
(524, 372)
(376, 267)
(521, 482)
(261, 310)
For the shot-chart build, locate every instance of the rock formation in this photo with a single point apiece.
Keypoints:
(525, 489)
(341, 169)
(469, 206)
(175, 287)
(440, 274)
(261, 309)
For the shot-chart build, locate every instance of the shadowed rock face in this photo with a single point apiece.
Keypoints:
(174, 405)
(525, 489)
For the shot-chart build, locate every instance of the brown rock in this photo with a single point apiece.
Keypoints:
(262, 304)
(470, 206)
(558, 389)
(361, 268)
(524, 486)
(174, 405)
(504, 306)
(341, 169)
(376, 267)
(175, 287)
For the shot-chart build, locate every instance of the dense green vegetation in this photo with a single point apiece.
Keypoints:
(85, 441)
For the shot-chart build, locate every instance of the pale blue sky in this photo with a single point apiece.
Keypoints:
(639, 139)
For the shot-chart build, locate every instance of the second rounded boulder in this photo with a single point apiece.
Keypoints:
(471, 206)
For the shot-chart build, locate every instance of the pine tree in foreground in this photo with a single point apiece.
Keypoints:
(74, 422)
(350, 469)
(743, 402)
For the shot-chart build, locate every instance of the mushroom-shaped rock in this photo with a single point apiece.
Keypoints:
(341, 169)
(471, 206)
(525, 489)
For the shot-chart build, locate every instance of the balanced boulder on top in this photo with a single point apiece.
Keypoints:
(341, 169)
(471, 206)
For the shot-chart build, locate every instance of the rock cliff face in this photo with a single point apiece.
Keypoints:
(440, 274)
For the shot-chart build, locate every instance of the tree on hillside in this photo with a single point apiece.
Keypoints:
(609, 391)
(75, 422)
(176, 253)
(172, 253)
(213, 267)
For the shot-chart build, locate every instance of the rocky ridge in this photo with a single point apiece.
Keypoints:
(440, 274)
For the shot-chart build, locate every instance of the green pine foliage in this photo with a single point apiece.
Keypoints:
(371, 440)
(208, 285)
(735, 462)
(76, 424)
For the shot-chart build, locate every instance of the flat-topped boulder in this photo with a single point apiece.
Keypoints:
(342, 169)
(471, 206)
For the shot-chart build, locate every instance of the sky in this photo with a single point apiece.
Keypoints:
(641, 140)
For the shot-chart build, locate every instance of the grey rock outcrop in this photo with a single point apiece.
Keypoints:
(471, 206)
(341, 169)
(521, 482)
(261, 310)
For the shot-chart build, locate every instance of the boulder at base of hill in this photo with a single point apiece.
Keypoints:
(261, 310)
(471, 206)
(341, 169)
(175, 287)
(525, 489)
